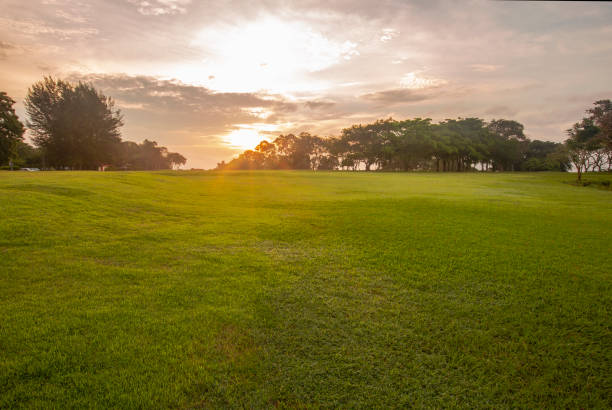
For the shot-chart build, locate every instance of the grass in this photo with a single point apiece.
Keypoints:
(299, 289)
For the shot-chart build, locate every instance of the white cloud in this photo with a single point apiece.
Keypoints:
(415, 81)
(388, 34)
(161, 7)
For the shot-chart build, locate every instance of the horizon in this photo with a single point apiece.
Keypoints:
(212, 83)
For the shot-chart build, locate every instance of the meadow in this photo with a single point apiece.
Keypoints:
(303, 289)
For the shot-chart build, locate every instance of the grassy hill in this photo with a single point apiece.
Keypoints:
(293, 289)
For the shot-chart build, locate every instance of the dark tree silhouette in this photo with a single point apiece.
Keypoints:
(11, 130)
(581, 143)
(147, 155)
(76, 126)
(601, 115)
(461, 144)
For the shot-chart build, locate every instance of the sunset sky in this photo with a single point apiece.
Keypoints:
(209, 79)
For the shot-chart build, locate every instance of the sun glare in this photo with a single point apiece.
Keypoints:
(269, 54)
(243, 138)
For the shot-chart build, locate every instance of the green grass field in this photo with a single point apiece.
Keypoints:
(300, 289)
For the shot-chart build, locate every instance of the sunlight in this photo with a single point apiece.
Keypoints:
(243, 138)
(268, 53)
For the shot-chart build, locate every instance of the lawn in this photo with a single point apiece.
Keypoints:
(301, 289)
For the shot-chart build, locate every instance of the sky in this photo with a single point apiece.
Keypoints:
(209, 79)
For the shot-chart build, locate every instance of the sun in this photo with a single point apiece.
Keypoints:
(243, 138)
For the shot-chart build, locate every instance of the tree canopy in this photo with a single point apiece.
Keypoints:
(590, 140)
(460, 144)
(11, 129)
(76, 126)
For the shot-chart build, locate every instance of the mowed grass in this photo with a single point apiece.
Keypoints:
(300, 289)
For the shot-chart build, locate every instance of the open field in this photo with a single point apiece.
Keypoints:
(293, 289)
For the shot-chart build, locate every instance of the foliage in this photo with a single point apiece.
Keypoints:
(304, 290)
(146, 156)
(590, 141)
(77, 127)
(11, 129)
(28, 156)
(462, 144)
(601, 115)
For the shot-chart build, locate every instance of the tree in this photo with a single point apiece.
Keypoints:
(580, 144)
(11, 129)
(509, 129)
(28, 156)
(509, 147)
(268, 150)
(601, 115)
(365, 142)
(545, 156)
(147, 155)
(76, 126)
(294, 150)
(462, 144)
(175, 159)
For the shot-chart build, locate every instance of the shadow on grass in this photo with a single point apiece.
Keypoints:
(50, 189)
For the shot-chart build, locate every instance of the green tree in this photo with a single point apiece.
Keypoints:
(28, 156)
(147, 155)
(365, 143)
(508, 149)
(76, 126)
(11, 129)
(294, 151)
(270, 157)
(601, 115)
(580, 144)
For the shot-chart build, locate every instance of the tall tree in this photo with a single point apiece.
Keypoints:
(294, 150)
(508, 150)
(75, 125)
(601, 115)
(11, 129)
(365, 142)
(581, 142)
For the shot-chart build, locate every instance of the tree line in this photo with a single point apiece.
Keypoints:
(589, 145)
(452, 145)
(74, 126)
(461, 144)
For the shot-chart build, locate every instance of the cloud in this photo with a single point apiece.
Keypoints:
(170, 97)
(388, 34)
(485, 68)
(414, 80)
(32, 27)
(70, 16)
(315, 105)
(160, 7)
(5, 48)
(396, 96)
